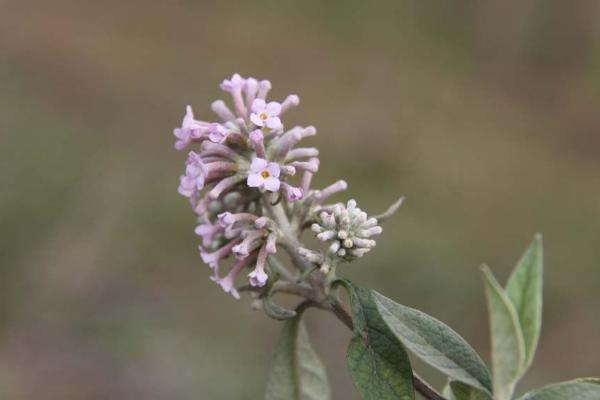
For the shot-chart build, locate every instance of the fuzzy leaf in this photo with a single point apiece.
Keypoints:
(275, 311)
(524, 289)
(508, 346)
(461, 391)
(577, 389)
(435, 343)
(378, 363)
(447, 392)
(296, 370)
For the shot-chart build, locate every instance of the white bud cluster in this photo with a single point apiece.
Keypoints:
(348, 229)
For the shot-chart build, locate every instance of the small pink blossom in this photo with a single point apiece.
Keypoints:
(216, 133)
(227, 219)
(228, 282)
(312, 165)
(212, 259)
(190, 129)
(235, 83)
(195, 174)
(221, 109)
(264, 175)
(251, 89)
(208, 232)
(257, 140)
(258, 277)
(266, 115)
(291, 101)
(293, 193)
(250, 243)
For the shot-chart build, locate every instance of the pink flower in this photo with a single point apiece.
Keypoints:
(330, 190)
(190, 129)
(208, 232)
(195, 173)
(258, 277)
(252, 241)
(235, 83)
(264, 175)
(257, 140)
(234, 86)
(212, 259)
(264, 114)
(228, 282)
(293, 193)
(216, 133)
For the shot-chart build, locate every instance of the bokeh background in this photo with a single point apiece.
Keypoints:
(484, 114)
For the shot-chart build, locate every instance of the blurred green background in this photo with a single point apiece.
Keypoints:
(484, 114)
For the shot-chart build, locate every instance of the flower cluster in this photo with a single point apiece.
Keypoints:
(249, 144)
(349, 232)
(229, 227)
(238, 180)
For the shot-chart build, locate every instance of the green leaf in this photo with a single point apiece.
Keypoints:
(524, 289)
(508, 346)
(275, 311)
(378, 363)
(447, 392)
(435, 343)
(461, 391)
(296, 370)
(578, 389)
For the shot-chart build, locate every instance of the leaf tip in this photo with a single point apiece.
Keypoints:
(485, 270)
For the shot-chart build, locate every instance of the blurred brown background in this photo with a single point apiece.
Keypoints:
(484, 114)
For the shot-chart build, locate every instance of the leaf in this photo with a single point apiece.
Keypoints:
(434, 342)
(508, 346)
(275, 311)
(461, 391)
(577, 389)
(447, 392)
(378, 363)
(296, 370)
(524, 289)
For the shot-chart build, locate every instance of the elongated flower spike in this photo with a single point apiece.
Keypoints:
(249, 184)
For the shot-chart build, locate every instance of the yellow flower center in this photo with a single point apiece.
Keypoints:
(265, 174)
(263, 116)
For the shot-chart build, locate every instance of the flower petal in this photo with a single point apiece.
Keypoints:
(237, 80)
(274, 169)
(273, 109)
(254, 180)
(181, 144)
(258, 164)
(273, 123)
(258, 106)
(272, 184)
(258, 277)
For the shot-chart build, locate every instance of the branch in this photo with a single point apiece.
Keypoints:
(299, 289)
(420, 385)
